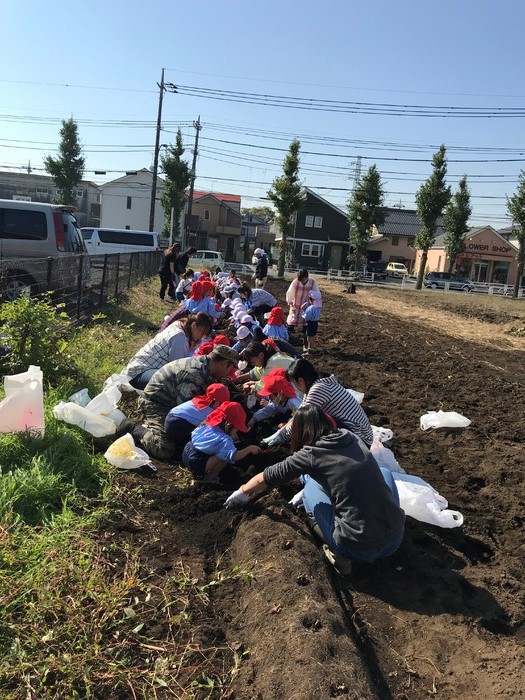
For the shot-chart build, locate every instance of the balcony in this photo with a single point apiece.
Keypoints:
(228, 230)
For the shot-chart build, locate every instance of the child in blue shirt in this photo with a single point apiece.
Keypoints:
(185, 417)
(311, 314)
(275, 327)
(282, 398)
(244, 338)
(212, 444)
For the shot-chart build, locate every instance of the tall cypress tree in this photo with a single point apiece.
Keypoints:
(286, 195)
(431, 198)
(516, 209)
(365, 209)
(456, 218)
(67, 169)
(178, 176)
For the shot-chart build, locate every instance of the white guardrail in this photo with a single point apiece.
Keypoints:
(354, 276)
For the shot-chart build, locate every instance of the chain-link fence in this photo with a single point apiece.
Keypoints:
(83, 283)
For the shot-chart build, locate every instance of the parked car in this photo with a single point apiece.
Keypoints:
(439, 280)
(206, 258)
(99, 241)
(36, 241)
(396, 269)
(240, 268)
(378, 267)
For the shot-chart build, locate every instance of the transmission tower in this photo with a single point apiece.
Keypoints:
(356, 173)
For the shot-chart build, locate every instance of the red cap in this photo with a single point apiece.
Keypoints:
(230, 411)
(275, 382)
(215, 392)
(204, 275)
(276, 316)
(196, 291)
(222, 340)
(207, 286)
(205, 348)
(271, 343)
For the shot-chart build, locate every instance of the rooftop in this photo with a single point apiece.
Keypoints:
(403, 222)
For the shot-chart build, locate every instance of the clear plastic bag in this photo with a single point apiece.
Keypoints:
(23, 405)
(123, 454)
(80, 397)
(382, 434)
(422, 502)
(443, 419)
(385, 457)
(121, 381)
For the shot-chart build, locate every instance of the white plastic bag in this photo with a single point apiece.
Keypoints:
(23, 405)
(123, 454)
(385, 457)
(443, 419)
(106, 401)
(358, 395)
(96, 425)
(382, 434)
(422, 502)
(121, 381)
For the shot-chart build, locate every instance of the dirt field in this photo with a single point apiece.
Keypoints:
(444, 617)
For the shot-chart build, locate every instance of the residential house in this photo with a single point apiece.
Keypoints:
(488, 257)
(30, 187)
(255, 234)
(216, 224)
(126, 202)
(320, 238)
(393, 240)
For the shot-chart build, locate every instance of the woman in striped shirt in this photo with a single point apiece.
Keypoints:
(331, 397)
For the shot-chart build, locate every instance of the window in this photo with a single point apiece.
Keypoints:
(395, 240)
(318, 222)
(97, 198)
(23, 224)
(42, 190)
(87, 234)
(211, 256)
(122, 238)
(309, 221)
(128, 228)
(207, 214)
(312, 250)
(128, 202)
(410, 242)
(80, 194)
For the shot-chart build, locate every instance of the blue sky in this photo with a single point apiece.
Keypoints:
(448, 54)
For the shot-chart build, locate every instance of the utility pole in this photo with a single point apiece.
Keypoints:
(198, 127)
(156, 157)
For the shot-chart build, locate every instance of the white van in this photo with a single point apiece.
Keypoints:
(99, 241)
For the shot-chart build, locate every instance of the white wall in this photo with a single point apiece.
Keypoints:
(114, 211)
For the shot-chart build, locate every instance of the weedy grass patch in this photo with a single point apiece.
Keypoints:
(82, 613)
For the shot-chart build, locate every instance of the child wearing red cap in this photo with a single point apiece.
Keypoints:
(182, 419)
(281, 395)
(212, 444)
(275, 327)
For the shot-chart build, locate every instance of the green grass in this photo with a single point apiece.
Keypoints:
(82, 614)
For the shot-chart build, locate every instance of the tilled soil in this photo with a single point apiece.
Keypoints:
(444, 616)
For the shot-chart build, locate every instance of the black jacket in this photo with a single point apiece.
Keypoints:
(366, 515)
(261, 269)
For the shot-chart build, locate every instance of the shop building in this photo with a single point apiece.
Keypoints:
(487, 257)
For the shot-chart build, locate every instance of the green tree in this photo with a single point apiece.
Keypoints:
(287, 197)
(365, 209)
(266, 213)
(178, 177)
(516, 209)
(456, 217)
(431, 198)
(67, 169)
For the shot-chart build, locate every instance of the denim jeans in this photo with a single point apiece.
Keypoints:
(317, 504)
(140, 381)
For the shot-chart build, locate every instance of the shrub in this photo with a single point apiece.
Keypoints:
(34, 332)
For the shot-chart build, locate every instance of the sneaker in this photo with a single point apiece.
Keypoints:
(342, 565)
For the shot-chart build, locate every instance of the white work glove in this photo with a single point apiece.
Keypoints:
(297, 500)
(273, 440)
(237, 499)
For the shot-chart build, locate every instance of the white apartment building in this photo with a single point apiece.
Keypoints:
(126, 202)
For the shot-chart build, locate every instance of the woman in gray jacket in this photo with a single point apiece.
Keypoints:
(353, 502)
